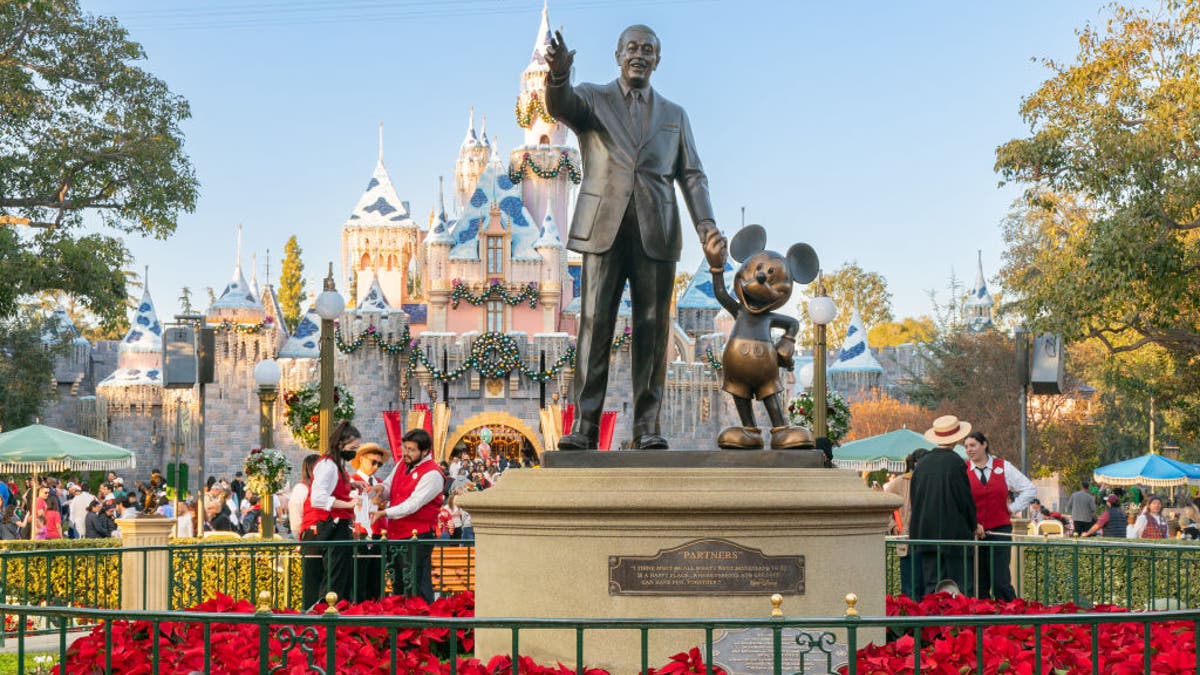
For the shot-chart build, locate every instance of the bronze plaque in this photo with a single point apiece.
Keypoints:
(706, 567)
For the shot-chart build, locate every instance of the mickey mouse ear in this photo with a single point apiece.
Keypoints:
(749, 240)
(802, 263)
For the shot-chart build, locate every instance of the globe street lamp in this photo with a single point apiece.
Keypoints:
(266, 376)
(330, 305)
(822, 311)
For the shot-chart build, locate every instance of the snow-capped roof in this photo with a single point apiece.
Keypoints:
(856, 354)
(549, 237)
(132, 377)
(470, 140)
(304, 342)
(238, 295)
(379, 205)
(274, 311)
(62, 327)
(980, 297)
(699, 293)
(542, 41)
(374, 300)
(483, 137)
(145, 332)
(495, 185)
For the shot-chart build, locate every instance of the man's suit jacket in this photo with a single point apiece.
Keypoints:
(616, 167)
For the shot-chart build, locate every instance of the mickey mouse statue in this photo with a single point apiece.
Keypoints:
(751, 361)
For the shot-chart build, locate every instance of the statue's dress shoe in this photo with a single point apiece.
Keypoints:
(740, 438)
(650, 442)
(788, 438)
(577, 441)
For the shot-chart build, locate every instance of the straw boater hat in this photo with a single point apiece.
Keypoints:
(947, 430)
(368, 449)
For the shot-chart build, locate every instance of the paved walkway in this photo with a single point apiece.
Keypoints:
(38, 644)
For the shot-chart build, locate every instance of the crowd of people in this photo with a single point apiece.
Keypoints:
(947, 499)
(64, 508)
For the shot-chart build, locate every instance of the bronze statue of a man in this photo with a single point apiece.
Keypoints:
(636, 146)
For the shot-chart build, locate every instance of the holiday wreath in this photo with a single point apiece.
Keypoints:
(303, 407)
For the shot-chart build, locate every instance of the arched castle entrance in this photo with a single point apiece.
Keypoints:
(509, 435)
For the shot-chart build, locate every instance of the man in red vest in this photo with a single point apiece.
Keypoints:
(992, 481)
(415, 487)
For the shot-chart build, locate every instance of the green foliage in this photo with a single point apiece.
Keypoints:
(1117, 574)
(1107, 242)
(79, 572)
(85, 134)
(26, 367)
(292, 295)
(198, 573)
(851, 288)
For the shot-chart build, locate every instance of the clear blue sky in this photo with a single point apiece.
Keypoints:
(865, 129)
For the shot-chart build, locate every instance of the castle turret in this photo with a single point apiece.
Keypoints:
(980, 304)
(237, 304)
(554, 270)
(547, 168)
(473, 156)
(438, 243)
(380, 239)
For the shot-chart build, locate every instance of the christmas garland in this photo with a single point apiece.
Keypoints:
(459, 291)
(713, 361)
(494, 355)
(302, 409)
(246, 328)
(532, 109)
(564, 162)
(371, 334)
(837, 413)
(623, 339)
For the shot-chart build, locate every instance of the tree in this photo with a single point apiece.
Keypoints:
(851, 287)
(26, 366)
(84, 134)
(906, 330)
(1107, 243)
(292, 295)
(880, 413)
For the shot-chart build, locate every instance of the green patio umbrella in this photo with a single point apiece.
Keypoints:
(38, 449)
(885, 451)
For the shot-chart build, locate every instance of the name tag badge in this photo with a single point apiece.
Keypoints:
(997, 471)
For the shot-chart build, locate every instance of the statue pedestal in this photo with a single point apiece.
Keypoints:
(145, 574)
(596, 543)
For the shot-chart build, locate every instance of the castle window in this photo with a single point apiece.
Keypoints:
(544, 140)
(495, 316)
(495, 256)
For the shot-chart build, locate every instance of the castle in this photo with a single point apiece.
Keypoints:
(476, 307)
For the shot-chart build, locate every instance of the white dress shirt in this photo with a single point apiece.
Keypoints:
(1017, 483)
(427, 488)
(325, 478)
(295, 507)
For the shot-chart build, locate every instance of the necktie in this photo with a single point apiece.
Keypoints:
(982, 475)
(635, 112)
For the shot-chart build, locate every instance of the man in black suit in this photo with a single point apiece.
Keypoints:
(636, 147)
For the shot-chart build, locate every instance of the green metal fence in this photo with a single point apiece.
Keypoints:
(1137, 574)
(314, 637)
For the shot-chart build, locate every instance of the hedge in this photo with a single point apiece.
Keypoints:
(71, 572)
(239, 571)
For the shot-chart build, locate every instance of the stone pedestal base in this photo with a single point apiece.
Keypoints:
(145, 574)
(545, 540)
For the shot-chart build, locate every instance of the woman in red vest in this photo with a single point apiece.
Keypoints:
(1151, 524)
(992, 479)
(328, 515)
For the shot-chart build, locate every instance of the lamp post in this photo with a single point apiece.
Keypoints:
(822, 311)
(266, 376)
(330, 305)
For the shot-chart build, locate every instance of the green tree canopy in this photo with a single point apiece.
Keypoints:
(85, 136)
(26, 365)
(1107, 244)
(851, 287)
(908, 329)
(292, 295)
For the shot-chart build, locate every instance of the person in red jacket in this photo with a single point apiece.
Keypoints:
(328, 514)
(992, 480)
(415, 491)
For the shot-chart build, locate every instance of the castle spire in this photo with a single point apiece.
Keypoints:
(483, 139)
(543, 37)
(381, 141)
(239, 247)
(471, 139)
(441, 199)
(254, 273)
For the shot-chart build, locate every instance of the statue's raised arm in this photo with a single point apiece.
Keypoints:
(558, 57)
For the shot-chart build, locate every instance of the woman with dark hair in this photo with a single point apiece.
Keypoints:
(992, 479)
(328, 514)
(295, 505)
(53, 519)
(1151, 524)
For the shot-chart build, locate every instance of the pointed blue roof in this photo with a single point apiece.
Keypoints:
(980, 297)
(856, 355)
(549, 237)
(145, 332)
(699, 293)
(304, 341)
(379, 205)
(374, 301)
(494, 184)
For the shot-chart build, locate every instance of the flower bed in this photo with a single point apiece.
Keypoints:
(1065, 648)
(359, 649)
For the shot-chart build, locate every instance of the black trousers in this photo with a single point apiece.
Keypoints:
(995, 579)
(326, 568)
(603, 281)
(368, 571)
(947, 562)
(411, 566)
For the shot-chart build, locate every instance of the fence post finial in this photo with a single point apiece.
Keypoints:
(851, 601)
(264, 603)
(331, 600)
(776, 606)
